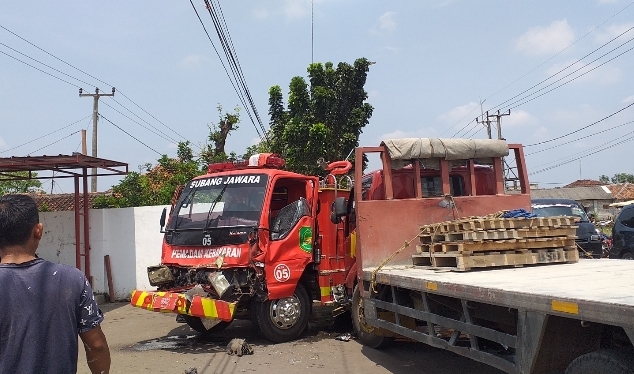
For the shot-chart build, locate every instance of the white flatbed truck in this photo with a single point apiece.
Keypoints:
(576, 318)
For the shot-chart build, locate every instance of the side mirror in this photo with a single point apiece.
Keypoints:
(162, 220)
(339, 209)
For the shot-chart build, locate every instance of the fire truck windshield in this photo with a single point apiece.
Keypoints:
(218, 202)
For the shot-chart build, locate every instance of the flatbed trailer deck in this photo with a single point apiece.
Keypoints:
(558, 311)
(575, 318)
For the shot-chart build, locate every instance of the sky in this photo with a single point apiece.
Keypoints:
(436, 61)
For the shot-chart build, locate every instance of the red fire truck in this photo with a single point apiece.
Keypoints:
(251, 240)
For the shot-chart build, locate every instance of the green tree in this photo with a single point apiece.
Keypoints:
(214, 150)
(157, 185)
(618, 178)
(19, 182)
(323, 119)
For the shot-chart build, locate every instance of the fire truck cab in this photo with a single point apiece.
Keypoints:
(241, 242)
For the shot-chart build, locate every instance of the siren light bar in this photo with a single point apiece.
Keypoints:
(259, 160)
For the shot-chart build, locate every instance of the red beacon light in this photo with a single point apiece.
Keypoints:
(260, 160)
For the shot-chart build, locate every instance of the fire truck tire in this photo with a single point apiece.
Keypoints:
(363, 330)
(197, 325)
(283, 320)
(607, 361)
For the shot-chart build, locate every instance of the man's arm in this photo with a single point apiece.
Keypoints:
(97, 351)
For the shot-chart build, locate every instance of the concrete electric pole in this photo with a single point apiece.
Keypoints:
(486, 122)
(498, 116)
(95, 116)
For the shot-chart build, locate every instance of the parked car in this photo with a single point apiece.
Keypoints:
(623, 234)
(587, 237)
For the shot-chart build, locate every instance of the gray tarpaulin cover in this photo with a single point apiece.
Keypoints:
(449, 149)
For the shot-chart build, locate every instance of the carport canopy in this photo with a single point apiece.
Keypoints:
(74, 166)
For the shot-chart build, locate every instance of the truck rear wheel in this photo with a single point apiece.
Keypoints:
(364, 331)
(283, 320)
(196, 323)
(609, 361)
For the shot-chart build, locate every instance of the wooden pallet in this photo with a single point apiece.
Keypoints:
(468, 261)
(498, 234)
(498, 245)
(480, 224)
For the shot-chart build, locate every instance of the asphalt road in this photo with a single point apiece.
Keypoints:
(147, 342)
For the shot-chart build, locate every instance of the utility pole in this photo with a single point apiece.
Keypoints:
(486, 122)
(95, 115)
(498, 116)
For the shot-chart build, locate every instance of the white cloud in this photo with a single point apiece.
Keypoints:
(255, 141)
(517, 118)
(296, 9)
(540, 133)
(459, 113)
(608, 1)
(192, 61)
(628, 99)
(540, 40)
(260, 13)
(3, 144)
(444, 3)
(606, 74)
(613, 31)
(387, 21)
(172, 146)
(385, 24)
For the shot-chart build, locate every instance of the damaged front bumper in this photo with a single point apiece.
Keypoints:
(197, 306)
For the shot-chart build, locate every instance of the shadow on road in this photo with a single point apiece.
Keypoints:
(185, 340)
(404, 357)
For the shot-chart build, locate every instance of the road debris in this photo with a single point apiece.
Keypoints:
(239, 347)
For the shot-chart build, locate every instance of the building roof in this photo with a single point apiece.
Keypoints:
(70, 165)
(622, 191)
(585, 183)
(63, 202)
(574, 193)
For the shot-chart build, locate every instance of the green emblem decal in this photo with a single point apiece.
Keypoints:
(306, 239)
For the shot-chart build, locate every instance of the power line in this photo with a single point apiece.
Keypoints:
(555, 55)
(159, 133)
(571, 65)
(580, 129)
(81, 71)
(564, 83)
(230, 58)
(43, 136)
(130, 135)
(40, 62)
(45, 72)
(584, 156)
(57, 141)
(149, 114)
(230, 52)
(569, 74)
(585, 151)
(583, 137)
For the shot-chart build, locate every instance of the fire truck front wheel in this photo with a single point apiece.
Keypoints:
(197, 325)
(283, 320)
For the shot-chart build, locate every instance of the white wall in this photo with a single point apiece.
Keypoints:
(130, 236)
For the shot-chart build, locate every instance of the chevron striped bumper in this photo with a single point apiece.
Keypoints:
(168, 302)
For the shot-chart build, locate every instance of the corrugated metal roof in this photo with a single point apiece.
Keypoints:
(574, 193)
